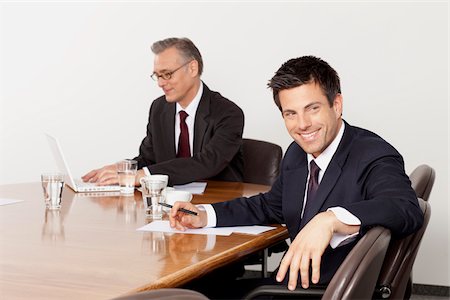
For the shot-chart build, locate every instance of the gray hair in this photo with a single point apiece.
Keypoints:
(186, 47)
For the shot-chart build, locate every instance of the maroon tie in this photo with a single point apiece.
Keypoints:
(183, 143)
(313, 185)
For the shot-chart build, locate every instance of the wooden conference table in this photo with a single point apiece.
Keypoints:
(90, 249)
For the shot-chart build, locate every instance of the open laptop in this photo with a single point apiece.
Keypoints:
(77, 185)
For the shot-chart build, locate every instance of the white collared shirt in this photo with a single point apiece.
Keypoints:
(191, 110)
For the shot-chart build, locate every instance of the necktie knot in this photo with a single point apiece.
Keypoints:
(183, 115)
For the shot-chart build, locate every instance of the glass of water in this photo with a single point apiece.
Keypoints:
(152, 196)
(126, 170)
(52, 185)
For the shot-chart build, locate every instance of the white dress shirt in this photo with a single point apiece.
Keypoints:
(191, 110)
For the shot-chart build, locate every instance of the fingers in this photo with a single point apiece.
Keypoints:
(181, 220)
(315, 265)
(104, 176)
(87, 177)
(284, 266)
(304, 271)
(293, 272)
(107, 177)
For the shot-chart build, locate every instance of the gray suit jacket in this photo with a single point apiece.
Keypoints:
(217, 154)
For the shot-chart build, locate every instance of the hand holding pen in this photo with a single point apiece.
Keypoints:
(186, 211)
(185, 215)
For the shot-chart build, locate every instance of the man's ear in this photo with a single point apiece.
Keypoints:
(193, 68)
(338, 105)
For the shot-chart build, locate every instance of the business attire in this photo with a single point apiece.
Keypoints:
(217, 141)
(365, 176)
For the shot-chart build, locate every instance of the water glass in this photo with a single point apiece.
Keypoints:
(126, 170)
(52, 185)
(152, 195)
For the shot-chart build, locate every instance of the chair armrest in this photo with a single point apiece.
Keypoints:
(314, 292)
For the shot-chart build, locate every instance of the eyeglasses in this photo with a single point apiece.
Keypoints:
(167, 75)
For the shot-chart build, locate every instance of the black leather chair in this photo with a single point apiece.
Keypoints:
(355, 279)
(262, 166)
(261, 161)
(395, 280)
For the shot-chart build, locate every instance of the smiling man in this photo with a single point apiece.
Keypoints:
(193, 133)
(336, 182)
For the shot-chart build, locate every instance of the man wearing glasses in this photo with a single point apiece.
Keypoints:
(193, 133)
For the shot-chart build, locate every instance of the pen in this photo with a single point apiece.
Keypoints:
(187, 211)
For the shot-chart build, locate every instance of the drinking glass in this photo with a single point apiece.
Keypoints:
(126, 170)
(52, 185)
(152, 195)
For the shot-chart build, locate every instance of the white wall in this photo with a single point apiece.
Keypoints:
(57, 60)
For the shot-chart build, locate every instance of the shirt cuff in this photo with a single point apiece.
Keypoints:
(347, 218)
(146, 171)
(210, 214)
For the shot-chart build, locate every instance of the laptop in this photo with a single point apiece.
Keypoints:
(75, 184)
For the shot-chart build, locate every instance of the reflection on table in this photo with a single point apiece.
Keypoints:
(90, 249)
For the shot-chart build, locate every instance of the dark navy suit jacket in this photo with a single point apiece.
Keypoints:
(217, 154)
(366, 176)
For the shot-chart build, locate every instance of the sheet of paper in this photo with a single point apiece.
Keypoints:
(163, 226)
(4, 201)
(193, 187)
(255, 229)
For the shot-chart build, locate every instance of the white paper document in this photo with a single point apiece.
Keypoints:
(255, 229)
(4, 201)
(193, 187)
(163, 226)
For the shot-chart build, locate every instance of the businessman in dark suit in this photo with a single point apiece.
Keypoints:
(336, 180)
(205, 143)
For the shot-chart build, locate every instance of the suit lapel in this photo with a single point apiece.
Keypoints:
(331, 176)
(295, 181)
(329, 179)
(169, 128)
(201, 119)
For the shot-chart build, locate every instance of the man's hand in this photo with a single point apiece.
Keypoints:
(308, 247)
(180, 220)
(103, 176)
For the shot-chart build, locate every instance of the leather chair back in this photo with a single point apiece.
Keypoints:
(355, 279)
(357, 276)
(395, 281)
(261, 161)
(422, 180)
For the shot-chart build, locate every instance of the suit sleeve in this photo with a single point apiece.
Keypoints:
(146, 155)
(389, 200)
(259, 209)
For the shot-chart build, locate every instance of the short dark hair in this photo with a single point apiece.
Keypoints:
(303, 70)
(186, 47)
